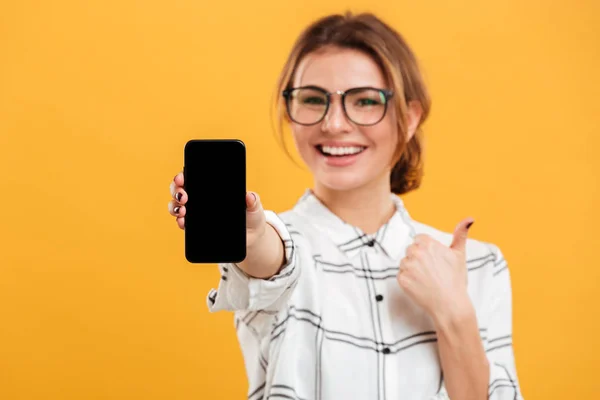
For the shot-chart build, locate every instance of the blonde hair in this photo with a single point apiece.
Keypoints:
(367, 33)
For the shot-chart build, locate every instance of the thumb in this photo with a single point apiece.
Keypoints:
(461, 232)
(255, 215)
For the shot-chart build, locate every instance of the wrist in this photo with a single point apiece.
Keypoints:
(263, 253)
(454, 314)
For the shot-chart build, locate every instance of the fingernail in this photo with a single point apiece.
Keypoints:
(255, 199)
(469, 224)
(176, 210)
(178, 196)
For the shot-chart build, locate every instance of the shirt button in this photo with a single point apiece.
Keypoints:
(379, 297)
(386, 350)
(371, 243)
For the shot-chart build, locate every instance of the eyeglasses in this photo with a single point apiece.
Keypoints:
(364, 106)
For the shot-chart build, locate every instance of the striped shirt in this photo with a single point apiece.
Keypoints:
(335, 324)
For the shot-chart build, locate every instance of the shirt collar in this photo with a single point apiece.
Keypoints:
(391, 239)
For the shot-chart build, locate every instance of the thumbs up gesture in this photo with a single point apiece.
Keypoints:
(434, 275)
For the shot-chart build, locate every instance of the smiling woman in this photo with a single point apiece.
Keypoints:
(346, 296)
(367, 64)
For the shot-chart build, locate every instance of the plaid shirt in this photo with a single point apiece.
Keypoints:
(334, 323)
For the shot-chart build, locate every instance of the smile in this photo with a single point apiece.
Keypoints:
(340, 151)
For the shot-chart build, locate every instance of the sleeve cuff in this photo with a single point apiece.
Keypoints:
(238, 291)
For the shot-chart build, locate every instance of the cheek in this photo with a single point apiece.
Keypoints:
(302, 136)
(384, 138)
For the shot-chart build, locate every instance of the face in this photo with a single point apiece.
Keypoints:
(341, 154)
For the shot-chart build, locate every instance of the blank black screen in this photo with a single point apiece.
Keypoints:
(215, 219)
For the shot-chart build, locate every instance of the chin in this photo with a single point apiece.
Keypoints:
(343, 182)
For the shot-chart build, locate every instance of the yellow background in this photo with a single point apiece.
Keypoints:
(97, 100)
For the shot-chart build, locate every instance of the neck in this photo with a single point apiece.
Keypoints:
(368, 207)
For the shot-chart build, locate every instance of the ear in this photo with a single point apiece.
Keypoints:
(414, 114)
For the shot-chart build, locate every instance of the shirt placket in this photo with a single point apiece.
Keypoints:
(381, 330)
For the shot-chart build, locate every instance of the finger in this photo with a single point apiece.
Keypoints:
(255, 215)
(412, 251)
(252, 201)
(177, 182)
(425, 243)
(180, 196)
(178, 179)
(176, 209)
(406, 264)
(403, 268)
(403, 280)
(459, 240)
(180, 211)
(422, 240)
(181, 222)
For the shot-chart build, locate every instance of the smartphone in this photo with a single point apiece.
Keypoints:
(215, 181)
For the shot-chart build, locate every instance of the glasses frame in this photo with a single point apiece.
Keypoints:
(388, 94)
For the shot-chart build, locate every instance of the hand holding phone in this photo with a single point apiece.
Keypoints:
(219, 217)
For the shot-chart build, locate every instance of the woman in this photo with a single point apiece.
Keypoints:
(345, 296)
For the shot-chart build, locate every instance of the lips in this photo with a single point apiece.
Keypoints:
(340, 154)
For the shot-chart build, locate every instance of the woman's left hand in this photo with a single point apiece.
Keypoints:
(434, 275)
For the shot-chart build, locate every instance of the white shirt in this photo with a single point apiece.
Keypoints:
(335, 324)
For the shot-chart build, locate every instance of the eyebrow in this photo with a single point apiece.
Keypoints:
(312, 86)
(350, 88)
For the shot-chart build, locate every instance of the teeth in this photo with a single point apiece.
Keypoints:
(341, 151)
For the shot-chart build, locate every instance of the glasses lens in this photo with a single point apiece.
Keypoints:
(307, 106)
(365, 106)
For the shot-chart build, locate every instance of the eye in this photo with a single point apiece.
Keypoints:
(313, 100)
(367, 102)
(367, 99)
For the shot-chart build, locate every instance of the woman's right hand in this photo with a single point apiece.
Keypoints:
(255, 216)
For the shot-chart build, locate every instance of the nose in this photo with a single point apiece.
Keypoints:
(336, 120)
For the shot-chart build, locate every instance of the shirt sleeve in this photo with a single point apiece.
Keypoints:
(239, 291)
(503, 382)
